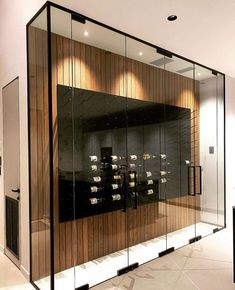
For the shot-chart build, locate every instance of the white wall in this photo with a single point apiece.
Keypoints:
(12, 64)
(13, 19)
(212, 134)
(230, 147)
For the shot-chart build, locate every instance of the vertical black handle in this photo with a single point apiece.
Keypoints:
(200, 180)
(135, 180)
(190, 169)
(124, 191)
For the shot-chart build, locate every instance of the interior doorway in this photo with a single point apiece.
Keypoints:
(11, 173)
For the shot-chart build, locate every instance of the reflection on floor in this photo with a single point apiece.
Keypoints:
(205, 265)
(106, 267)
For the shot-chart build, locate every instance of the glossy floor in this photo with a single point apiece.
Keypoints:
(206, 265)
(104, 268)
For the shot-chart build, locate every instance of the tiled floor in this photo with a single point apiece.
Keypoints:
(106, 267)
(10, 276)
(205, 265)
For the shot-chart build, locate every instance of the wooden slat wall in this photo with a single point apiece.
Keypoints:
(39, 125)
(99, 70)
(95, 69)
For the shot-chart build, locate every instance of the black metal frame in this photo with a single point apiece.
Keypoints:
(83, 18)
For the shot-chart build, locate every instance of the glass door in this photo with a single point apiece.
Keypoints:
(181, 151)
(146, 213)
(100, 152)
(210, 163)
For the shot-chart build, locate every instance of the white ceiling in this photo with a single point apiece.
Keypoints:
(203, 32)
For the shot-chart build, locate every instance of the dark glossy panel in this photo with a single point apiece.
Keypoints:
(100, 154)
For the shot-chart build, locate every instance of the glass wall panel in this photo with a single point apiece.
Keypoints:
(221, 150)
(63, 149)
(138, 151)
(40, 220)
(207, 207)
(181, 151)
(99, 112)
(146, 214)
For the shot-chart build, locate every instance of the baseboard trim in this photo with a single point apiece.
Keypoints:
(24, 272)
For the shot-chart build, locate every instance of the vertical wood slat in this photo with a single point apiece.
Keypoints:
(55, 80)
(40, 142)
(79, 242)
(33, 140)
(46, 159)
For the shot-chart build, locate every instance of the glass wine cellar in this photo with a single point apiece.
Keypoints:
(126, 150)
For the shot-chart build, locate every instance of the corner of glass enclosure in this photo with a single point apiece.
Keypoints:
(39, 151)
(126, 151)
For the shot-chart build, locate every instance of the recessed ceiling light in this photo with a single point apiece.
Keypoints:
(198, 74)
(140, 53)
(172, 17)
(86, 33)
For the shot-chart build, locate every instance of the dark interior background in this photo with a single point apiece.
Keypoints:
(98, 124)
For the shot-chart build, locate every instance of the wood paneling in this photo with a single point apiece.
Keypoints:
(95, 69)
(98, 70)
(39, 162)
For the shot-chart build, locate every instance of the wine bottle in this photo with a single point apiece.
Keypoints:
(93, 158)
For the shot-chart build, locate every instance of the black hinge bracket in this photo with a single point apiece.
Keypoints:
(164, 52)
(214, 72)
(79, 18)
(167, 251)
(83, 287)
(127, 269)
(195, 239)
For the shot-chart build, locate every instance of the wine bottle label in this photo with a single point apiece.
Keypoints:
(114, 166)
(132, 184)
(146, 156)
(132, 165)
(114, 157)
(115, 186)
(94, 188)
(162, 172)
(116, 196)
(93, 200)
(149, 191)
(97, 178)
(133, 157)
(117, 177)
(163, 156)
(163, 180)
(150, 181)
(132, 175)
(148, 173)
(94, 167)
(93, 158)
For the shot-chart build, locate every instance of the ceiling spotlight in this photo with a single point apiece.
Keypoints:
(172, 17)
(140, 53)
(199, 74)
(86, 33)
